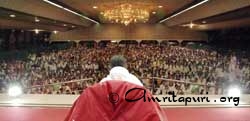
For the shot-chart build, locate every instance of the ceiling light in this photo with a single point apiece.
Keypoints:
(189, 8)
(36, 31)
(160, 6)
(73, 26)
(12, 16)
(55, 32)
(204, 22)
(64, 24)
(191, 25)
(153, 12)
(36, 19)
(95, 7)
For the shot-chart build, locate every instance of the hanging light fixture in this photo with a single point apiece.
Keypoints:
(126, 13)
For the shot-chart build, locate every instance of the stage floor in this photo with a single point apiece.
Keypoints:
(173, 114)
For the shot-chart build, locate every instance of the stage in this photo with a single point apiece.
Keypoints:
(56, 107)
(173, 114)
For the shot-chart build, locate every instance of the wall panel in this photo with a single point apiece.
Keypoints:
(138, 31)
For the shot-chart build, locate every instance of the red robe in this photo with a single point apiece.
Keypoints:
(107, 102)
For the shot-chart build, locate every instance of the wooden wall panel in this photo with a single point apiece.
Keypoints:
(138, 31)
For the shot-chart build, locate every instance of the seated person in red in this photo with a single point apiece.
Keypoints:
(117, 99)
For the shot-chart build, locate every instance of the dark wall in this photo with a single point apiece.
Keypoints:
(11, 39)
(237, 38)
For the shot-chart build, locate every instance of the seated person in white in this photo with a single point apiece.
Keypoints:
(119, 72)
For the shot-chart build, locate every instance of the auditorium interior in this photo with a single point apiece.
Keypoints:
(51, 51)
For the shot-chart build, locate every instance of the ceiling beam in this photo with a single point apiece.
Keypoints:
(42, 9)
(225, 24)
(16, 24)
(71, 10)
(208, 9)
(185, 9)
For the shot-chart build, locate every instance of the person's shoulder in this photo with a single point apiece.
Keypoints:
(104, 79)
(136, 80)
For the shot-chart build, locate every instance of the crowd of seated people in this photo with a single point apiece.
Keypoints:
(194, 71)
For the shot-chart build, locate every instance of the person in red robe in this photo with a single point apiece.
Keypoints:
(118, 97)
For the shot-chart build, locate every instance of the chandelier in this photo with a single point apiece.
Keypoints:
(125, 14)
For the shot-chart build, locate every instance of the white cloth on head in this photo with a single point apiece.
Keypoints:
(121, 73)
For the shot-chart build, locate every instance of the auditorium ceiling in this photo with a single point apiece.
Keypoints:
(13, 19)
(65, 15)
(159, 8)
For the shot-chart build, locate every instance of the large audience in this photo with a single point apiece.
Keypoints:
(162, 69)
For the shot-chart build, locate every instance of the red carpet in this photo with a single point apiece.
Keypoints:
(173, 114)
